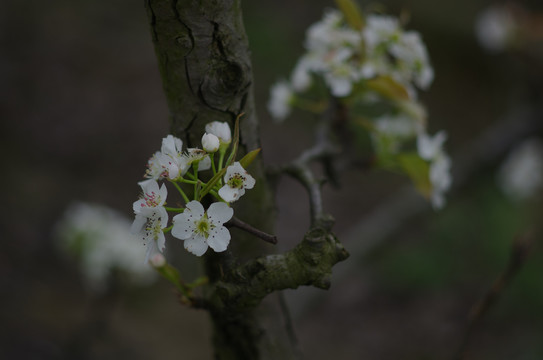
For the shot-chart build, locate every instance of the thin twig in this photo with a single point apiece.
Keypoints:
(519, 252)
(235, 222)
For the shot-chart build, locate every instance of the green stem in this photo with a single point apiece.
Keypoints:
(216, 195)
(221, 158)
(212, 157)
(185, 197)
(165, 230)
(192, 182)
(179, 210)
(196, 187)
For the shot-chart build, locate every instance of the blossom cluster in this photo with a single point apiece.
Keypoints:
(197, 227)
(368, 64)
(345, 57)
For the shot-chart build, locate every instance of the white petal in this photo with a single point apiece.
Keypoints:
(219, 239)
(204, 164)
(183, 226)
(249, 182)
(229, 194)
(220, 130)
(138, 224)
(161, 242)
(196, 209)
(196, 245)
(149, 186)
(219, 213)
(151, 250)
(138, 205)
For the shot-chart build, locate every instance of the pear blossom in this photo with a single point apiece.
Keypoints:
(236, 179)
(172, 148)
(193, 156)
(220, 130)
(152, 196)
(151, 216)
(167, 162)
(281, 96)
(148, 225)
(202, 229)
(210, 143)
(157, 166)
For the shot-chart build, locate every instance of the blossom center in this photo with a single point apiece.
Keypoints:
(151, 199)
(203, 226)
(236, 181)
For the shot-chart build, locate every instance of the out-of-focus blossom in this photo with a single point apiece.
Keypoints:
(521, 175)
(100, 238)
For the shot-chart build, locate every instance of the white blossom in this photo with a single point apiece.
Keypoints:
(279, 104)
(440, 178)
(100, 239)
(495, 28)
(210, 143)
(148, 226)
(167, 162)
(301, 75)
(521, 175)
(236, 179)
(431, 149)
(152, 196)
(151, 216)
(413, 63)
(220, 130)
(200, 229)
(195, 155)
(157, 166)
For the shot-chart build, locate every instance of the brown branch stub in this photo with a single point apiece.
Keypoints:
(309, 263)
(235, 222)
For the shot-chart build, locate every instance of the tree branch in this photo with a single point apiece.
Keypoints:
(235, 222)
(309, 263)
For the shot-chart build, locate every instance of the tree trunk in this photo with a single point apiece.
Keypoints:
(203, 57)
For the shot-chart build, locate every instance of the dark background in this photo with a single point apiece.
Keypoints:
(82, 109)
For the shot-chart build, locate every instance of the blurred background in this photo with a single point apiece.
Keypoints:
(82, 110)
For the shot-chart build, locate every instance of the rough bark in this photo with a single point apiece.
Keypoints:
(204, 62)
(203, 57)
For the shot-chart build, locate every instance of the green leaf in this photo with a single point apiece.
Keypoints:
(249, 158)
(235, 142)
(211, 183)
(388, 87)
(352, 13)
(418, 170)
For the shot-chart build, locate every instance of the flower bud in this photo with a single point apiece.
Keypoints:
(157, 260)
(210, 143)
(220, 130)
